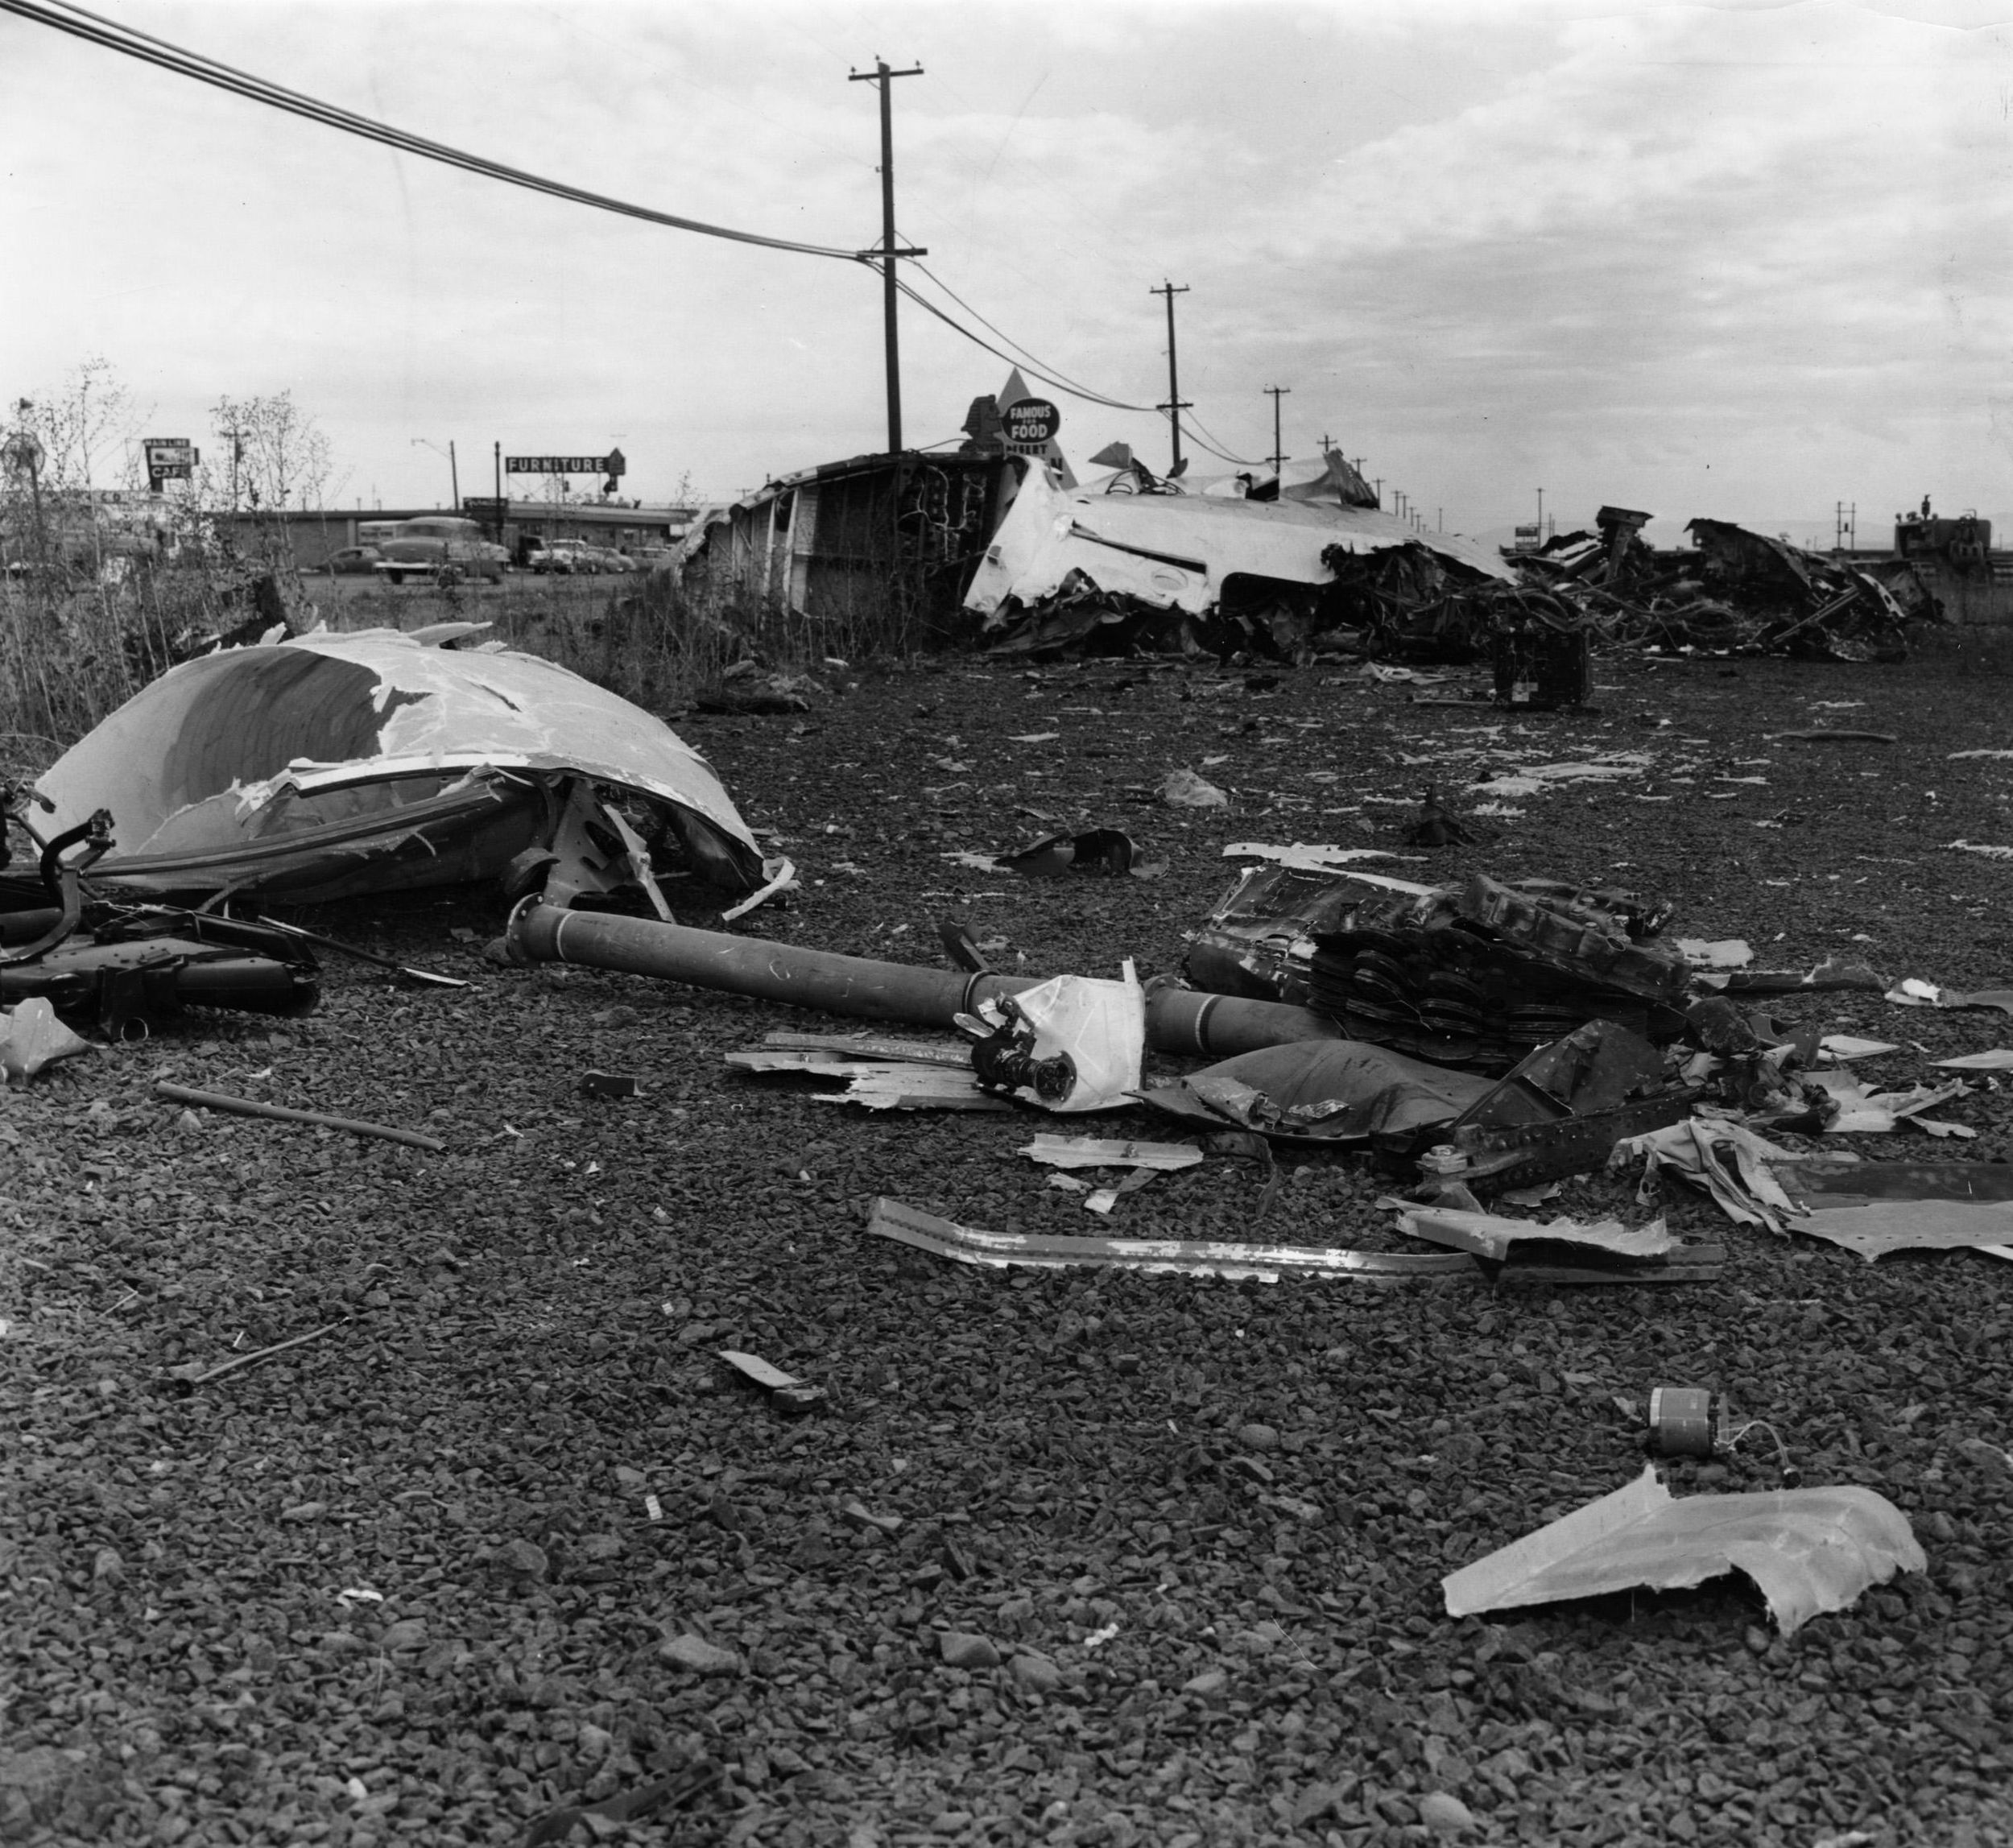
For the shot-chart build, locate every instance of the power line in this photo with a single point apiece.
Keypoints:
(1216, 445)
(1055, 374)
(929, 307)
(79, 23)
(65, 17)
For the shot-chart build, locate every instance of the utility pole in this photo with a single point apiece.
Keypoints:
(1279, 454)
(1377, 487)
(1176, 404)
(454, 471)
(1541, 516)
(237, 450)
(881, 77)
(503, 505)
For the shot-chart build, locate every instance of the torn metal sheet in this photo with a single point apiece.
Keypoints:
(1325, 1091)
(1304, 858)
(1106, 851)
(1561, 1109)
(1104, 1199)
(786, 1391)
(951, 1053)
(1535, 780)
(337, 764)
(1265, 1263)
(1731, 1163)
(1826, 978)
(1902, 1205)
(1731, 952)
(1863, 1111)
(878, 1085)
(1915, 993)
(1107, 1151)
(1850, 1046)
(1807, 1550)
(1820, 1182)
(1492, 1235)
(1873, 1231)
(1999, 1059)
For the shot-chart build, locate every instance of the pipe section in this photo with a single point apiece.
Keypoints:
(1179, 1020)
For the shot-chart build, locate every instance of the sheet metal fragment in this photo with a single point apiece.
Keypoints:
(1110, 1151)
(1808, 1550)
(1265, 1264)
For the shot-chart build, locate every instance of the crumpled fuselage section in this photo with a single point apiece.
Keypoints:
(333, 765)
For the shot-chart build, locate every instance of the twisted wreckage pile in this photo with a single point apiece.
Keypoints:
(1477, 1037)
(1306, 561)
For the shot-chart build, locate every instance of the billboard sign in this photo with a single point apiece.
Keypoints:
(1031, 423)
(611, 464)
(169, 459)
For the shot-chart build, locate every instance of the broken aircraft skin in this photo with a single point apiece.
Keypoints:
(334, 765)
(1166, 566)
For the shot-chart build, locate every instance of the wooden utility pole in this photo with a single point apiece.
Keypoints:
(883, 76)
(1279, 454)
(1176, 404)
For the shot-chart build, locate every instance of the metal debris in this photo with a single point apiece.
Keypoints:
(1808, 1550)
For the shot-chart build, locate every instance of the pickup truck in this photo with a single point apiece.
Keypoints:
(443, 548)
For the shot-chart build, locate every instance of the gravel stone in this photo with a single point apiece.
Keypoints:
(961, 1650)
(699, 1655)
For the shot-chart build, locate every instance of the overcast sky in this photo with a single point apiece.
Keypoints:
(1739, 260)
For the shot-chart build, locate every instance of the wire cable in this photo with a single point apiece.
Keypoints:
(929, 307)
(1206, 439)
(79, 21)
(1054, 372)
(64, 16)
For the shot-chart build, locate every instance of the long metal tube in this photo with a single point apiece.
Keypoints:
(1179, 1020)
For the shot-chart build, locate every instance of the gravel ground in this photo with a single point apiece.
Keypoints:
(1148, 1559)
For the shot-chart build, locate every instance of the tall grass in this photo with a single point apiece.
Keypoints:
(74, 648)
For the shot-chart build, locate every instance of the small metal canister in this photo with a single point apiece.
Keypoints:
(1681, 1420)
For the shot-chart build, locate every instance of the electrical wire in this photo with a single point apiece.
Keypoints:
(923, 269)
(79, 23)
(929, 307)
(1207, 439)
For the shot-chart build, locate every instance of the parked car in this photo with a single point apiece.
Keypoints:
(352, 560)
(444, 547)
(569, 557)
(614, 563)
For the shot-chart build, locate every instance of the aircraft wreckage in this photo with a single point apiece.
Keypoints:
(327, 766)
(1206, 564)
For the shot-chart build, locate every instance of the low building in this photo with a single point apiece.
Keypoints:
(850, 538)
